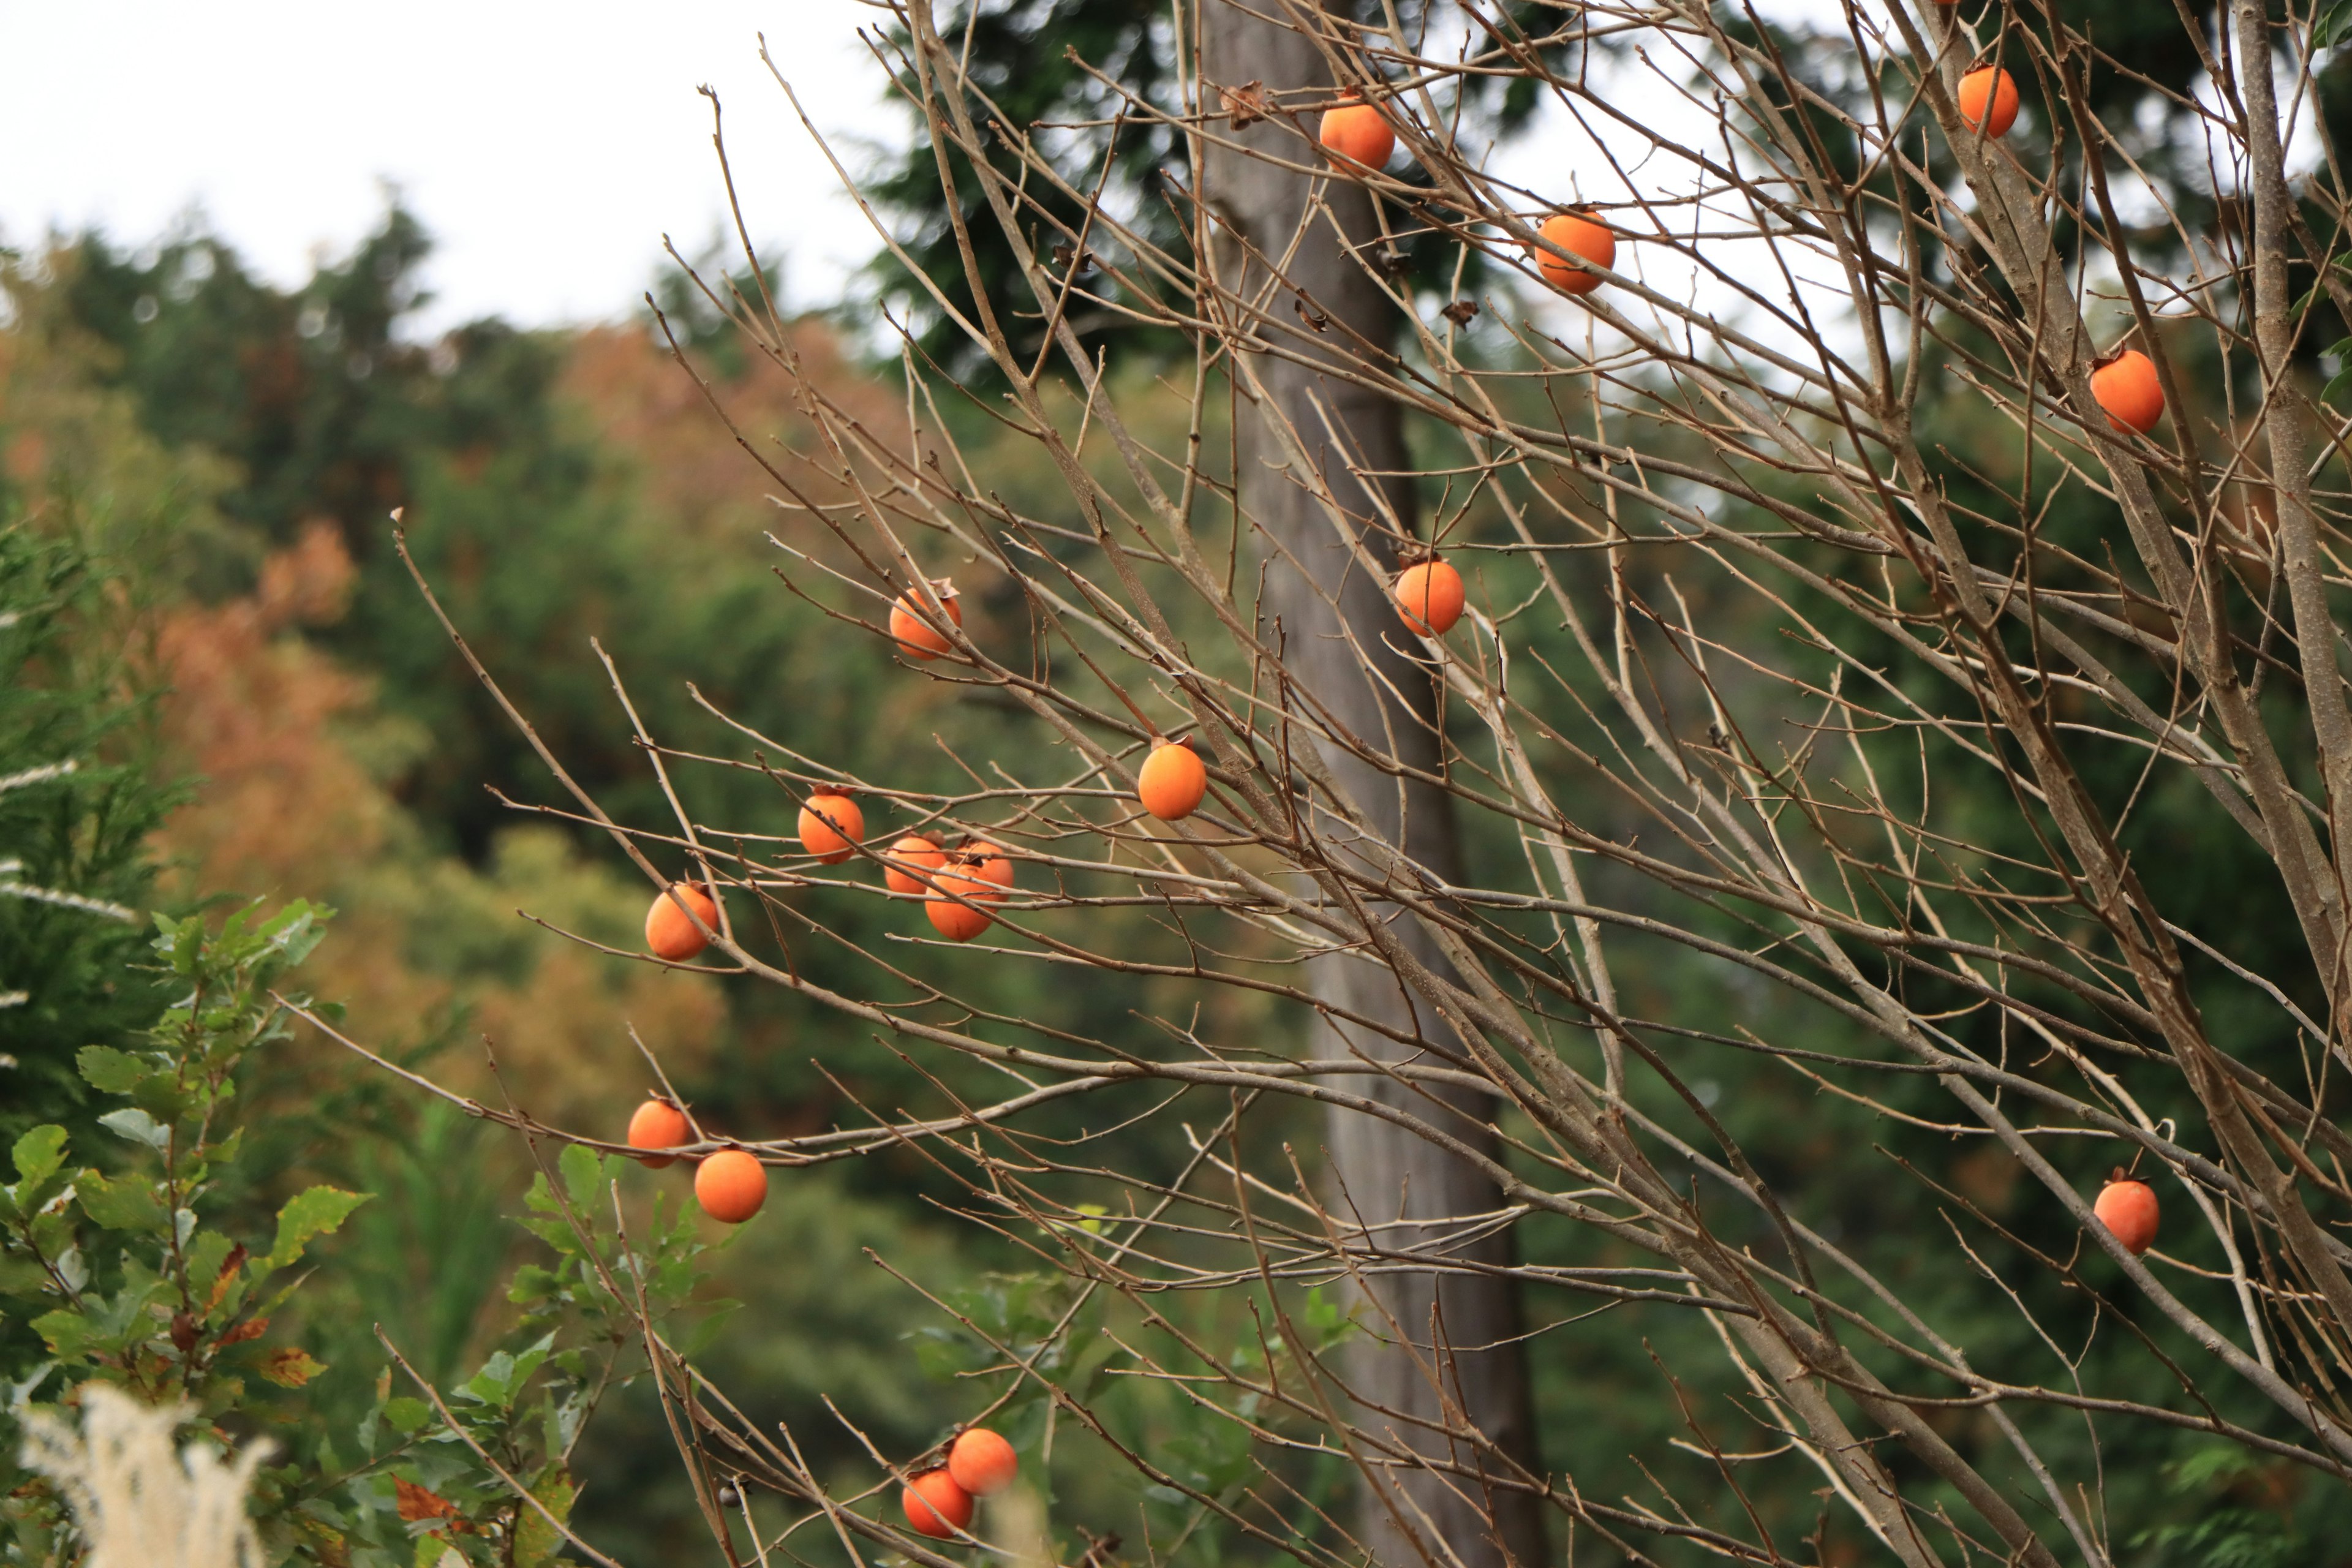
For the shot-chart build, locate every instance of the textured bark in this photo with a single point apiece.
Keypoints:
(1443, 1349)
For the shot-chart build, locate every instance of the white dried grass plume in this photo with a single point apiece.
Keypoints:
(139, 1503)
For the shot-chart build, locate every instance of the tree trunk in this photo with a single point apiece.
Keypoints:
(1435, 1348)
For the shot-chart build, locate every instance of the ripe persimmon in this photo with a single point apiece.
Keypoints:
(1359, 131)
(1989, 85)
(668, 933)
(913, 623)
(981, 1462)
(935, 1505)
(1578, 236)
(918, 852)
(978, 871)
(2125, 386)
(1171, 781)
(831, 827)
(1429, 597)
(2128, 1209)
(658, 1124)
(732, 1185)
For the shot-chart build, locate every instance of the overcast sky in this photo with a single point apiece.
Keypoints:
(549, 147)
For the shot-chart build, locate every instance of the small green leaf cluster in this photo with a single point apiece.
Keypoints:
(142, 1276)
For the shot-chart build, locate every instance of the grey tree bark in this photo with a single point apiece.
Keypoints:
(1439, 1350)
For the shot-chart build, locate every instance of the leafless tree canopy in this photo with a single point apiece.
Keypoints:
(1767, 678)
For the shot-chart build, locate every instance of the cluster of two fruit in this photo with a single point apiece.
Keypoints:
(1360, 135)
(938, 1502)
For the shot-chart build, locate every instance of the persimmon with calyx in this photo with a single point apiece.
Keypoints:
(918, 853)
(1171, 781)
(670, 933)
(1429, 597)
(1988, 85)
(981, 1462)
(831, 827)
(1580, 237)
(2126, 386)
(935, 1506)
(658, 1124)
(979, 872)
(732, 1185)
(1357, 132)
(915, 623)
(2127, 1208)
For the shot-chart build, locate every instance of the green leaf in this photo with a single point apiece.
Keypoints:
(67, 1334)
(2340, 382)
(536, 1540)
(40, 1154)
(406, 1416)
(136, 1125)
(2329, 29)
(706, 1333)
(315, 1213)
(111, 1071)
(129, 1204)
(583, 1178)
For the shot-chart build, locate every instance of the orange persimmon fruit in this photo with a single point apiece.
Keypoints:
(1357, 132)
(831, 827)
(935, 1505)
(1429, 597)
(2125, 386)
(1989, 85)
(978, 871)
(1580, 236)
(732, 1185)
(658, 1124)
(916, 851)
(981, 1462)
(919, 637)
(668, 933)
(2128, 1209)
(1171, 781)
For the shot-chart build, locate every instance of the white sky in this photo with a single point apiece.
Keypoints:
(548, 147)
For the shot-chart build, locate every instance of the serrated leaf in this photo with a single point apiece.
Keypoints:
(111, 1071)
(291, 1367)
(536, 1540)
(129, 1204)
(583, 1179)
(132, 1123)
(40, 1154)
(67, 1334)
(308, 1215)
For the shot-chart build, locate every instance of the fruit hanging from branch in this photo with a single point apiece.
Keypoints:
(732, 1185)
(915, 856)
(1988, 85)
(935, 1506)
(2126, 386)
(979, 872)
(1358, 132)
(914, 624)
(669, 933)
(658, 1124)
(981, 1462)
(1580, 237)
(1430, 597)
(2128, 1209)
(1171, 781)
(831, 827)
